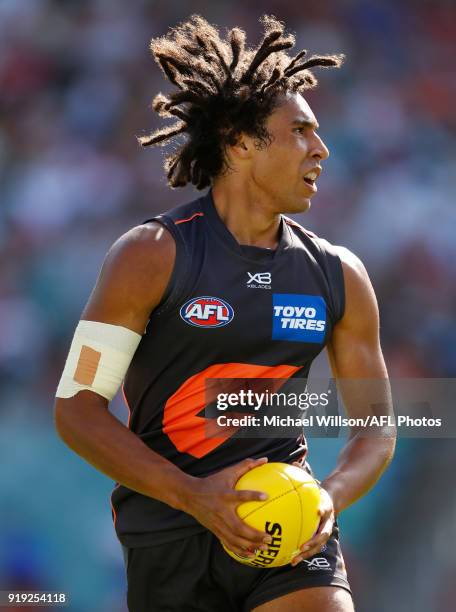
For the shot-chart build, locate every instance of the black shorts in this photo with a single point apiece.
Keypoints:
(195, 574)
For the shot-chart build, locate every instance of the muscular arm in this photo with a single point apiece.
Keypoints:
(131, 283)
(357, 362)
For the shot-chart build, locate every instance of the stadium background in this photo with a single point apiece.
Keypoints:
(76, 79)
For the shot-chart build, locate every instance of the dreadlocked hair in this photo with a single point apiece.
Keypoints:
(223, 89)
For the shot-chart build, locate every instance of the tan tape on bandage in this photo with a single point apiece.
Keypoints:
(98, 359)
(87, 367)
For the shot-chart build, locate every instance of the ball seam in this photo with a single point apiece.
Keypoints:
(300, 506)
(268, 501)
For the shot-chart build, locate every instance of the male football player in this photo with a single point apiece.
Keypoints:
(178, 301)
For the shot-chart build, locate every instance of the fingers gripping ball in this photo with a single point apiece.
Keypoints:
(289, 515)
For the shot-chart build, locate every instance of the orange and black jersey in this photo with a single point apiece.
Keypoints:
(229, 311)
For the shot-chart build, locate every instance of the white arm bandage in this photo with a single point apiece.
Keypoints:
(98, 360)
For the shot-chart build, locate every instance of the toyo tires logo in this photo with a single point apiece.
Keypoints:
(207, 311)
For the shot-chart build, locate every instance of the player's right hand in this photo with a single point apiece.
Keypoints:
(213, 501)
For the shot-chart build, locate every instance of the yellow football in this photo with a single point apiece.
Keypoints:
(289, 515)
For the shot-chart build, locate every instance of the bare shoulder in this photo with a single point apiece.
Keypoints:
(142, 249)
(133, 277)
(355, 273)
(351, 263)
(354, 349)
(360, 301)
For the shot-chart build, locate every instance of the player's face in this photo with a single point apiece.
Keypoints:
(279, 170)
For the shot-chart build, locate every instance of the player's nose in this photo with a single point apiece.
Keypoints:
(318, 149)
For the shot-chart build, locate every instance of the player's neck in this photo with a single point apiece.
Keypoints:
(249, 216)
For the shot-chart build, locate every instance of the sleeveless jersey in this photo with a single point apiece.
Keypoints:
(229, 311)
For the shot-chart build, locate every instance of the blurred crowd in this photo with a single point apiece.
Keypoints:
(76, 80)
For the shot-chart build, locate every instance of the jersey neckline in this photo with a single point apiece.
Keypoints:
(252, 253)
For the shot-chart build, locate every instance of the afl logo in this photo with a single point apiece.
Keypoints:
(207, 311)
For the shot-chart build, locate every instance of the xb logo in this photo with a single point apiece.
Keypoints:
(260, 280)
(318, 563)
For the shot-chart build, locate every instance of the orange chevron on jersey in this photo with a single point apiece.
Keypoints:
(194, 434)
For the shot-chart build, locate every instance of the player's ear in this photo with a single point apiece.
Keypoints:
(243, 147)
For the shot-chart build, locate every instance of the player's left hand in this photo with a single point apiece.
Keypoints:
(320, 537)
